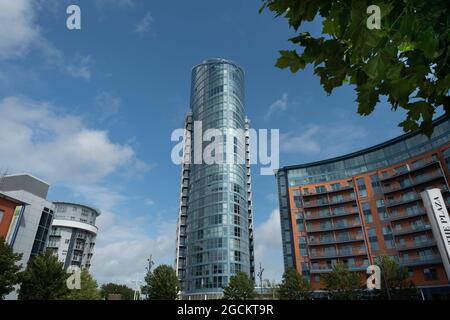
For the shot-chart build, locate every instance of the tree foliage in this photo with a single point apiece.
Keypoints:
(394, 279)
(341, 283)
(162, 284)
(407, 60)
(44, 279)
(240, 287)
(9, 270)
(88, 289)
(294, 286)
(113, 288)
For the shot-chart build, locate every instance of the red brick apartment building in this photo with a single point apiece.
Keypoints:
(365, 204)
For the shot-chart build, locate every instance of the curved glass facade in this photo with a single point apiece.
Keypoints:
(218, 225)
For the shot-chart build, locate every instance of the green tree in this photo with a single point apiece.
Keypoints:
(395, 282)
(407, 60)
(88, 289)
(294, 286)
(162, 284)
(113, 288)
(9, 270)
(240, 287)
(341, 283)
(44, 279)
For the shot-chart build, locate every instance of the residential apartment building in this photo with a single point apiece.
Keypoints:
(366, 204)
(73, 234)
(215, 223)
(32, 222)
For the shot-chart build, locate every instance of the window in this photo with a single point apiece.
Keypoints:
(2, 213)
(361, 187)
(375, 182)
(367, 212)
(317, 278)
(430, 274)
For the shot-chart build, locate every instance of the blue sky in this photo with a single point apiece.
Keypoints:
(92, 111)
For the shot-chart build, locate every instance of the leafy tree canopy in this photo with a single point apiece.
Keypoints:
(162, 284)
(294, 286)
(113, 288)
(88, 289)
(407, 60)
(44, 279)
(240, 287)
(9, 270)
(341, 283)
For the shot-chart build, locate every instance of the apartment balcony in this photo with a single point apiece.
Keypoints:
(403, 231)
(332, 215)
(76, 258)
(53, 245)
(393, 203)
(412, 168)
(330, 202)
(338, 240)
(406, 215)
(333, 227)
(326, 269)
(414, 182)
(79, 248)
(327, 191)
(415, 245)
(421, 260)
(55, 234)
(338, 254)
(81, 236)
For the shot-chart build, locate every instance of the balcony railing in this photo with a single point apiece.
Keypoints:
(338, 253)
(331, 215)
(326, 202)
(331, 240)
(324, 269)
(420, 260)
(414, 229)
(333, 227)
(327, 190)
(403, 200)
(406, 214)
(413, 167)
(414, 182)
(415, 245)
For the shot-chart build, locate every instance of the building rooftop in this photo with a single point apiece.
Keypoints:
(25, 182)
(14, 200)
(78, 205)
(382, 145)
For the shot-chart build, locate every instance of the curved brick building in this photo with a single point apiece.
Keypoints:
(366, 204)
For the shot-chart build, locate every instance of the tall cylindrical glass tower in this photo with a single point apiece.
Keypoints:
(215, 237)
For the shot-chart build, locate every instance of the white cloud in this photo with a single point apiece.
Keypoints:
(124, 245)
(35, 138)
(279, 105)
(107, 104)
(145, 25)
(324, 141)
(24, 35)
(268, 247)
(18, 29)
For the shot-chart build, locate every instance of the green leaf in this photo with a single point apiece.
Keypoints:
(290, 59)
